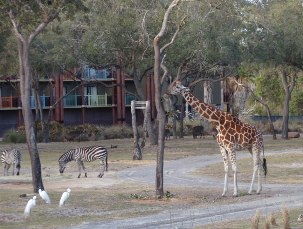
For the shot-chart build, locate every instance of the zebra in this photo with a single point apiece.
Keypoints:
(82, 154)
(11, 157)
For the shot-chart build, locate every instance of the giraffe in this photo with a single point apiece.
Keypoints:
(233, 135)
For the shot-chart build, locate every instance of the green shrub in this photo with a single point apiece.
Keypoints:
(118, 131)
(14, 136)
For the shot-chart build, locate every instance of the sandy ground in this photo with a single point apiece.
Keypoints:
(177, 173)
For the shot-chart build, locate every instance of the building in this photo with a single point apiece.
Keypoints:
(92, 96)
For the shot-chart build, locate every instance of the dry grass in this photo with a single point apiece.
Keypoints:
(272, 219)
(255, 221)
(285, 218)
(110, 198)
(281, 169)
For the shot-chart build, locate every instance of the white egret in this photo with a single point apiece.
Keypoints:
(64, 197)
(300, 219)
(30, 204)
(44, 196)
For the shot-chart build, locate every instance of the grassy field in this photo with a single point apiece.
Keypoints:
(108, 198)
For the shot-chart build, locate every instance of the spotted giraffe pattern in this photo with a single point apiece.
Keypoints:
(233, 134)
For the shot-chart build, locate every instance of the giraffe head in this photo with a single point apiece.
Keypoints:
(177, 88)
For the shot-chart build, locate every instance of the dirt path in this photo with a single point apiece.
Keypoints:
(177, 173)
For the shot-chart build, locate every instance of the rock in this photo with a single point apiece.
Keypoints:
(293, 134)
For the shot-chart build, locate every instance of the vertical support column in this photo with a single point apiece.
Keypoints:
(57, 96)
(123, 97)
(114, 88)
(60, 95)
(83, 103)
(19, 106)
(51, 99)
(118, 88)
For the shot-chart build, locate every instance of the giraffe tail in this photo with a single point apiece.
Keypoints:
(264, 164)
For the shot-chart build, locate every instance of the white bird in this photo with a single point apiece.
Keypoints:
(30, 204)
(44, 196)
(64, 197)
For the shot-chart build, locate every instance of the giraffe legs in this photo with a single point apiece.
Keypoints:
(232, 158)
(256, 171)
(225, 188)
(234, 168)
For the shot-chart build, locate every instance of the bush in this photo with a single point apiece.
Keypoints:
(14, 136)
(122, 131)
(90, 132)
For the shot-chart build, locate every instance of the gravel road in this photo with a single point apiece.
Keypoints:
(179, 173)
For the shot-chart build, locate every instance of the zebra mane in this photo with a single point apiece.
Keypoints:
(67, 156)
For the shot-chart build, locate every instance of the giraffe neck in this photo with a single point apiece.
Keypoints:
(207, 111)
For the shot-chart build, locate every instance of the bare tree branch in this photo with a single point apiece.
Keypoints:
(174, 36)
(165, 19)
(165, 69)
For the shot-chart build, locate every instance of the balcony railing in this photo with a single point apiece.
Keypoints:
(95, 100)
(44, 100)
(89, 100)
(129, 98)
(72, 101)
(9, 102)
(69, 101)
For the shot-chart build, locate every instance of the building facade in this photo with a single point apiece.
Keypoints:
(91, 96)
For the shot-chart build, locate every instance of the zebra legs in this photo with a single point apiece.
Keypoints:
(14, 168)
(18, 166)
(102, 169)
(81, 164)
(6, 168)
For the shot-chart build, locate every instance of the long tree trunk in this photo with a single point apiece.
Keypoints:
(160, 119)
(25, 91)
(137, 149)
(149, 125)
(159, 106)
(285, 116)
(288, 80)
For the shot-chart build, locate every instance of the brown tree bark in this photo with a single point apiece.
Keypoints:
(137, 149)
(25, 74)
(160, 110)
(25, 91)
(288, 80)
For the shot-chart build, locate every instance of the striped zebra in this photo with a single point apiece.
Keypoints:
(11, 157)
(82, 154)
